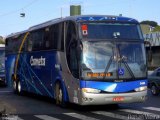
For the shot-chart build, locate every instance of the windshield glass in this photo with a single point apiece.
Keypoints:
(110, 60)
(102, 30)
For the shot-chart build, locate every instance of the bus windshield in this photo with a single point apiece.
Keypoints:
(102, 30)
(113, 60)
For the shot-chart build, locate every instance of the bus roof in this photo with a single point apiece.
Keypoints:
(104, 18)
(79, 18)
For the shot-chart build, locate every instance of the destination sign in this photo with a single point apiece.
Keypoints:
(109, 74)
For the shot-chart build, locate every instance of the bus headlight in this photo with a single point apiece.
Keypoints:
(90, 90)
(142, 88)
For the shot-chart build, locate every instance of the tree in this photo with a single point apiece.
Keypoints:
(151, 23)
(157, 28)
(1, 40)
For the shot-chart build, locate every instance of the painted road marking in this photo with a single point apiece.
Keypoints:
(79, 116)
(110, 114)
(45, 117)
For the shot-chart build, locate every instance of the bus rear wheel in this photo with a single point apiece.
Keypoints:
(19, 87)
(15, 86)
(59, 97)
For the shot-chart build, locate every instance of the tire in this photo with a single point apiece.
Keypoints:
(19, 87)
(154, 90)
(15, 86)
(59, 96)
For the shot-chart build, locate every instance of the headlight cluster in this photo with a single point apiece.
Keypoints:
(90, 90)
(142, 88)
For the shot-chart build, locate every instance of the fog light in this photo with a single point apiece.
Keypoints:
(90, 90)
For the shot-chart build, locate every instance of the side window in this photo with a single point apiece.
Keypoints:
(29, 43)
(24, 44)
(13, 44)
(7, 46)
(54, 35)
(47, 44)
(71, 44)
(35, 40)
(38, 37)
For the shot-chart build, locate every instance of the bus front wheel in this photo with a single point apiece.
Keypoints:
(59, 97)
(17, 87)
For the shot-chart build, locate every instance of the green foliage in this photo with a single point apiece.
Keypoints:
(156, 29)
(1, 40)
(151, 23)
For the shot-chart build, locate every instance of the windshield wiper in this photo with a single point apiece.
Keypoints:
(128, 68)
(126, 64)
(107, 67)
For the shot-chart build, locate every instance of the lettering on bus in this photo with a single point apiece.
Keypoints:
(99, 74)
(37, 61)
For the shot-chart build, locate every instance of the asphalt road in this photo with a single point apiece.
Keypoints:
(31, 107)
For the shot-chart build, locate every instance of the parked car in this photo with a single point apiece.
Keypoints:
(154, 82)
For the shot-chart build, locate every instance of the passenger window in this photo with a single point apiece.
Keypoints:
(54, 37)
(38, 40)
(29, 43)
(46, 38)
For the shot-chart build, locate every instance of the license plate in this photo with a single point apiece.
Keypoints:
(117, 99)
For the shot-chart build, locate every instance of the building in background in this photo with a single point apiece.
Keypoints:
(154, 39)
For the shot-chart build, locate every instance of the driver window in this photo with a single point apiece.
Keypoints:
(71, 45)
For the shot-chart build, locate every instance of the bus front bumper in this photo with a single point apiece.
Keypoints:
(102, 99)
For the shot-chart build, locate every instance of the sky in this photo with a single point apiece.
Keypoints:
(39, 11)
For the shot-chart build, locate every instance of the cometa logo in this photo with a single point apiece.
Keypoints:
(37, 61)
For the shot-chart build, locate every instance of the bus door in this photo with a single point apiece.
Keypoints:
(72, 61)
